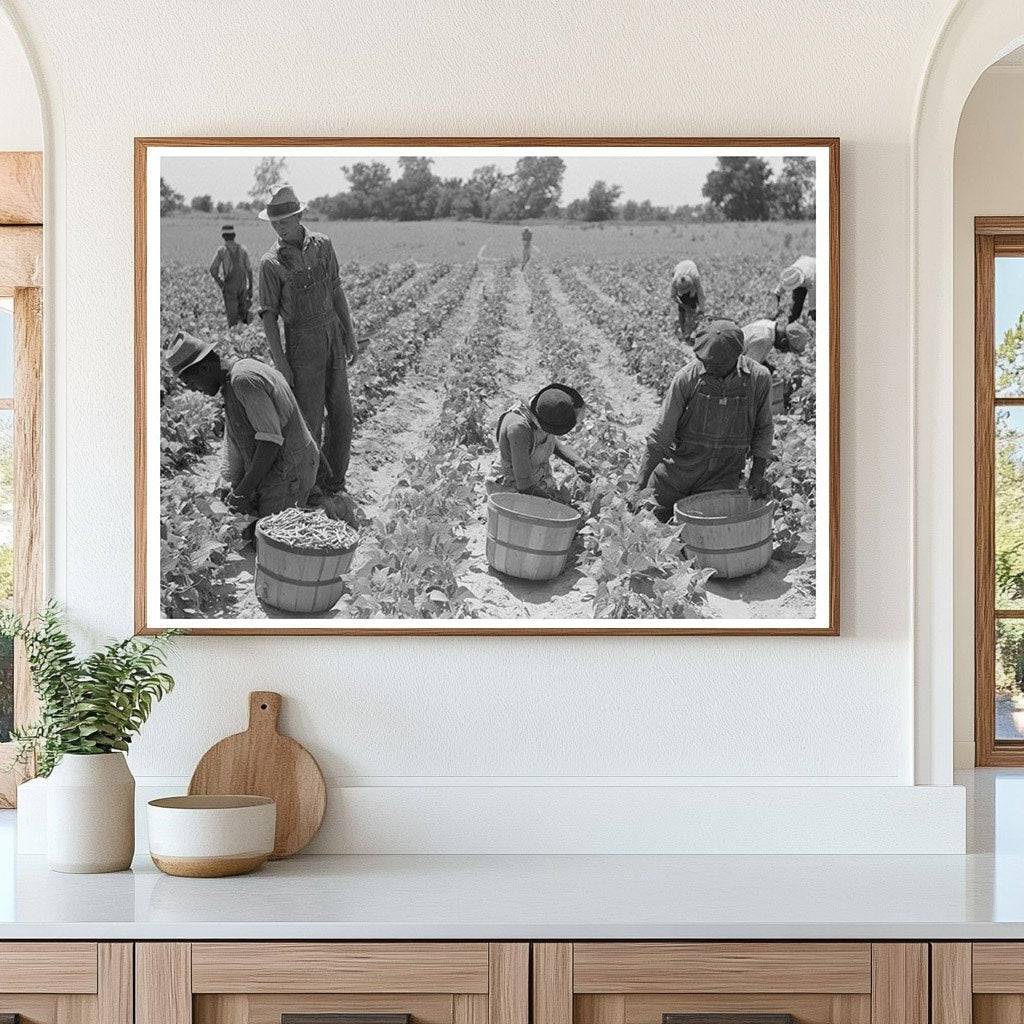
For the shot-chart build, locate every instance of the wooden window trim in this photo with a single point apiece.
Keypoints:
(21, 269)
(993, 236)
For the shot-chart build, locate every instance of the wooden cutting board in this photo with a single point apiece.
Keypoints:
(262, 762)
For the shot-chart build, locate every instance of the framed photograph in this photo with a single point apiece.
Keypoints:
(487, 386)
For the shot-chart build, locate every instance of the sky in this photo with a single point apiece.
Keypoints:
(667, 180)
(1009, 293)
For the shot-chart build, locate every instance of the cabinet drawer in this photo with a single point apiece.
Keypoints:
(48, 967)
(750, 982)
(340, 967)
(66, 982)
(261, 982)
(635, 967)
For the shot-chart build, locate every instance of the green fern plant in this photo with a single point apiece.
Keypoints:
(90, 705)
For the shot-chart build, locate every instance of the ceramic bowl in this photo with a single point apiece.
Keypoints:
(211, 836)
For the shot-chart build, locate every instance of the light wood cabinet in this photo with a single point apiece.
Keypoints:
(977, 983)
(260, 982)
(66, 982)
(815, 982)
(494, 983)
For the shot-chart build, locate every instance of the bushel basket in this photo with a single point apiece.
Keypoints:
(527, 536)
(726, 531)
(298, 579)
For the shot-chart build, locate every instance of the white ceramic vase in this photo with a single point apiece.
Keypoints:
(90, 814)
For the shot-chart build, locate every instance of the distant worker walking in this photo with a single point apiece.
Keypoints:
(527, 242)
(300, 285)
(687, 293)
(798, 279)
(232, 271)
(762, 336)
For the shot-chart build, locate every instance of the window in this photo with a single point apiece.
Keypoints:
(999, 490)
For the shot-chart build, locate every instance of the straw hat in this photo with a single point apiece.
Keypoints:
(283, 203)
(228, 229)
(792, 277)
(186, 350)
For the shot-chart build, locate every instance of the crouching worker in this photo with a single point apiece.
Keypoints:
(687, 292)
(762, 336)
(270, 457)
(717, 413)
(528, 435)
(798, 281)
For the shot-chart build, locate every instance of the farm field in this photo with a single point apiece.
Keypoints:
(457, 333)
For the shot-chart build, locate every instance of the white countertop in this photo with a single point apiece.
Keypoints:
(532, 897)
(978, 896)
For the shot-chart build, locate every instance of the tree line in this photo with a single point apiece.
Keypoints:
(738, 188)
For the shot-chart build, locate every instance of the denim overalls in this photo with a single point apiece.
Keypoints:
(315, 348)
(712, 440)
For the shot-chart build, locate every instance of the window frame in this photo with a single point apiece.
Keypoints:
(993, 237)
(21, 278)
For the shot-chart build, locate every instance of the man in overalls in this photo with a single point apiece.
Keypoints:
(687, 294)
(300, 284)
(717, 413)
(232, 271)
(528, 436)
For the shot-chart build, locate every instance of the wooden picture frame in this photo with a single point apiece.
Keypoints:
(147, 617)
(21, 278)
(993, 237)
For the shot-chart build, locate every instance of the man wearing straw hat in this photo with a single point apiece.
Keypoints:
(798, 279)
(300, 286)
(232, 271)
(270, 460)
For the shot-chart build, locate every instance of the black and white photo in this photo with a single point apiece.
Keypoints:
(456, 386)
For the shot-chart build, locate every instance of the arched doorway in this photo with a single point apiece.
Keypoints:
(975, 35)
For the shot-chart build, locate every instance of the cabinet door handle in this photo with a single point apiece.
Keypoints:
(728, 1018)
(339, 1018)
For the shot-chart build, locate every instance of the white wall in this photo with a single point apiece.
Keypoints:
(442, 713)
(21, 124)
(988, 181)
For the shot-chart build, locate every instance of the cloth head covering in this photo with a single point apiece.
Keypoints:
(283, 203)
(718, 344)
(797, 337)
(185, 351)
(555, 408)
(792, 277)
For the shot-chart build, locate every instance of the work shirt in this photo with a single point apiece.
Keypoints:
(232, 268)
(259, 406)
(759, 340)
(686, 285)
(299, 283)
(808, 266)
(524, 452)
